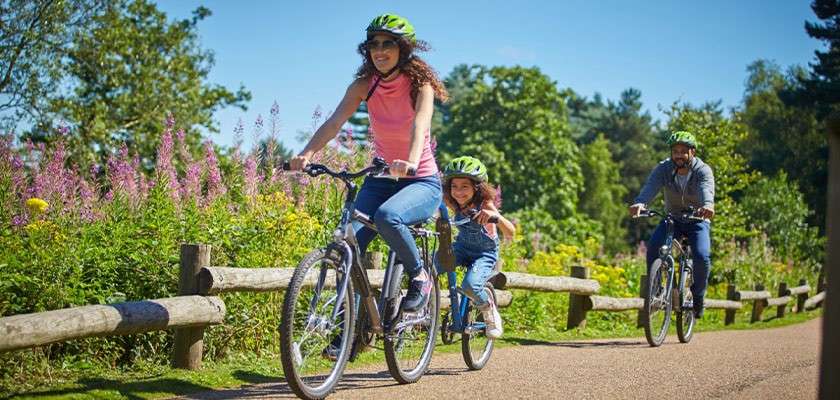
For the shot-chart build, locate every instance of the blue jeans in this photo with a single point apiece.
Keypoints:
(394, 205)
(480, 265)
(699, 236)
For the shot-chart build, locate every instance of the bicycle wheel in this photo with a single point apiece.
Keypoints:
(657, 304)
(685, 316)
(476, 347)
(410, 342)
(307, 326)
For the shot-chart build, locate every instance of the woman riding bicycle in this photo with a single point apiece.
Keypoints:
(467, 192)
(399, 89)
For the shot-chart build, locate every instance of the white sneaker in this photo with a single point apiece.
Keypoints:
(492, 320)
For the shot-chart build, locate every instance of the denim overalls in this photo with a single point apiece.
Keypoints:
(476, 250)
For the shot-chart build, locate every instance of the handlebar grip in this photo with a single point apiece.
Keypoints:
(493, 220)
(411, 171)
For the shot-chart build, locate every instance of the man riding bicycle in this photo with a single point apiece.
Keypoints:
(688, 183)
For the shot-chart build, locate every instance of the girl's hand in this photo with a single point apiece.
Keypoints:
(401, 168)
(483, 217)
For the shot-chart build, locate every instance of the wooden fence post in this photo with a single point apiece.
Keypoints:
(758, 305)
(730, 314)
(780, 310)
(643, 288)
(189, 342)
(801, 297)
(375, 259)
(577, 311)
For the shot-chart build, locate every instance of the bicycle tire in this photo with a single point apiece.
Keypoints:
(407, 370)
(476, 358)
(685, 318)
(657, 304)
(308, 381)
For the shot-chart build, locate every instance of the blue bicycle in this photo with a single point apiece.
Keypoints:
(462, 317)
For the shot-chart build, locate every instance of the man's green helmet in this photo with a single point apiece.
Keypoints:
(392, 24)
(466, 167)
(682, 137)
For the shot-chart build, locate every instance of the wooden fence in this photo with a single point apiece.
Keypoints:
(197, 305)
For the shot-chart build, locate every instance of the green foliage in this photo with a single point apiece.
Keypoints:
(601, 198)
(822, 87)
(128, 70)
(785, 136)
(721, 140)
(34, 35)
(777, 207)
(514, 120)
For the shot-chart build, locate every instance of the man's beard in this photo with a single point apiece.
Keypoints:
(680, 162)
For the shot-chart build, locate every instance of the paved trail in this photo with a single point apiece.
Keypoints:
(779, 363)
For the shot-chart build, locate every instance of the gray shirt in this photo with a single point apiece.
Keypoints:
(699, 189)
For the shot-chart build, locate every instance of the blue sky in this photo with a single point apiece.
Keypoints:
(302, 54)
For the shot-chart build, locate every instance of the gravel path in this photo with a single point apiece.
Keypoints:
(779, 363)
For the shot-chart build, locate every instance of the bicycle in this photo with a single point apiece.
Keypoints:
(662, 297)
(322, 289)
(462, 317)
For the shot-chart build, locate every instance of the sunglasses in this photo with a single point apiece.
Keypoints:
(387, 44)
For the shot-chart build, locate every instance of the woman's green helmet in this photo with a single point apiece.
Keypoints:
(682, 137)
(392, 24)
(466, 167)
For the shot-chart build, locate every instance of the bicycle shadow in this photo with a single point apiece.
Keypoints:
(579, 344)
(262, 386)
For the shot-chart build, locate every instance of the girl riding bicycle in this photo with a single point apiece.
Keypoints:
(467, 192)
(399, 89)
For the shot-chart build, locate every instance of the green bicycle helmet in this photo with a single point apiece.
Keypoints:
(394, 25)
(682, 137)
(466, 167)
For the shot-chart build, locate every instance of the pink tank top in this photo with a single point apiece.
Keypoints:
(391, 113)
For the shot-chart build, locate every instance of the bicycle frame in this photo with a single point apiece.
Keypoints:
(346, 244)
(666, 250)
(459, 299)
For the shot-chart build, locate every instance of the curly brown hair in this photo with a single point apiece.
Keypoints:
(417, 70)
(484, 192)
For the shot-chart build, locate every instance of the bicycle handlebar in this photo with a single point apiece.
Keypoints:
(684, 215)
(378, 167)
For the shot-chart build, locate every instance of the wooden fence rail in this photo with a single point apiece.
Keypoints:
(196, 307)
(37, 329)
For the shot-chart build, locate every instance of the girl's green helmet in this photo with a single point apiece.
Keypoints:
(392, 24)
(466, 167)
(682, 137)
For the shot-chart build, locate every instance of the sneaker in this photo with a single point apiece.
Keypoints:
(330, 352)
(698, 309)
(492, 320)
(418, 293)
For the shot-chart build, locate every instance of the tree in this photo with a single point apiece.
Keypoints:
(633, 140)
(785, 136)
(129, 71)
(33, 37)
(602, 194)
(777, 207)
(514, 120)
(720, 141)
(822, 86)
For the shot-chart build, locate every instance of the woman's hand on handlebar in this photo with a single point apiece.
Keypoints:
(299, 162)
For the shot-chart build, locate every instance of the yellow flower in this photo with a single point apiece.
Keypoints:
(36, 206)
